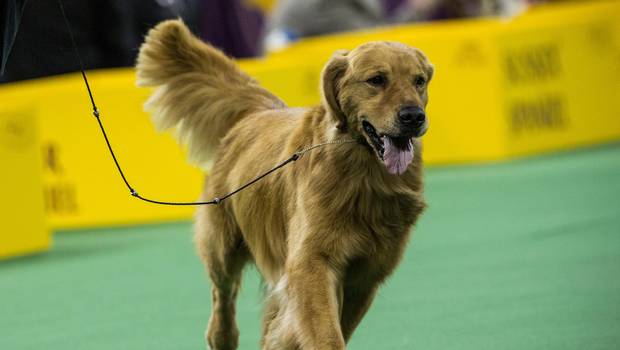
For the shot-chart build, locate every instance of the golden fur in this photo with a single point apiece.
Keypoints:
(324, 232)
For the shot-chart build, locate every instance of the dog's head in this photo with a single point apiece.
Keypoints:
(378, 92)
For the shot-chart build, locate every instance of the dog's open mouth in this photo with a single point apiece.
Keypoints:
(396, 152)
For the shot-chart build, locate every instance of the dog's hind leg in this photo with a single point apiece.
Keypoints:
(221, 247)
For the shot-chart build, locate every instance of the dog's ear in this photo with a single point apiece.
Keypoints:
(428, 67)
(330, 84)
(430, 70)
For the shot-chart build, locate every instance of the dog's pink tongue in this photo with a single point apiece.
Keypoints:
(396, 160)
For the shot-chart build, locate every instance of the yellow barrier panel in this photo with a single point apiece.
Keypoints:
(24, 229)
(545, 81)
(80, 182)
(560, 78)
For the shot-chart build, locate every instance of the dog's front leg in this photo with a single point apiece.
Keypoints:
(314, 308)
(357, 300)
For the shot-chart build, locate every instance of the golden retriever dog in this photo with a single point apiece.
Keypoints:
(326, 230)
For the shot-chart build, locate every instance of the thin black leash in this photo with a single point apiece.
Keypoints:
(216, 200)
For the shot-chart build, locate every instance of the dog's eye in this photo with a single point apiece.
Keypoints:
(419, 82)
(377, 80)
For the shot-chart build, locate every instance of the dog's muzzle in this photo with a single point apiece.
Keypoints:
(412, 120)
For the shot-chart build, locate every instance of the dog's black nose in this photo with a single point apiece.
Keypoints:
(412, 116)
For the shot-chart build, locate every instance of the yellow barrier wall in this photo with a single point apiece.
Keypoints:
(81, 185)
(561, 79)
(542, 82)
(24, 229)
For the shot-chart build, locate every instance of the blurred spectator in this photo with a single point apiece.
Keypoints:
(293, 19)
(231, 25)
(427, 10)
(107, 32)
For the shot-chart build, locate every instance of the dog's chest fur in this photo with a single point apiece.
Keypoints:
(364, 212)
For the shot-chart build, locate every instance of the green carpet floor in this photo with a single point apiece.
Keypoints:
(522, 255)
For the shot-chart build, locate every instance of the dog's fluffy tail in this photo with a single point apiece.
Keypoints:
(198, 89)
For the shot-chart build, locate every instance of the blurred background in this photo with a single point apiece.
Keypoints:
(520, 245)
